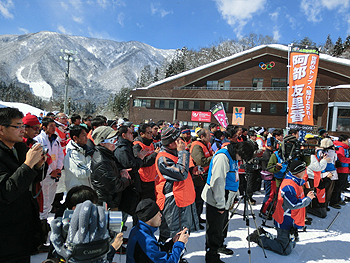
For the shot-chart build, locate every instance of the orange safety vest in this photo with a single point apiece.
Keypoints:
(225, 144)
(183, 191)
(298, 215)
(147, 174)
(205, 151)
(187, 143)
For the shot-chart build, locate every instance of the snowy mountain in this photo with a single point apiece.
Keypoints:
(33, 61)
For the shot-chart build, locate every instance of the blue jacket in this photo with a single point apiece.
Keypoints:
(231, 183)
(291, 202)
(279, 175)
(143, 246)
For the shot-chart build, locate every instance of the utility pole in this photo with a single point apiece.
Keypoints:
(68, 56)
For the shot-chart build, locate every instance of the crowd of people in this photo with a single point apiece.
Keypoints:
(160, 174)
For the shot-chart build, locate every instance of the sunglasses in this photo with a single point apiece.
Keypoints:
(111, 140)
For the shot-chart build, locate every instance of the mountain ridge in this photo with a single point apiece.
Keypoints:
(33, 61)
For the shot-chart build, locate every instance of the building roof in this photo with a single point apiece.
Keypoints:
(323, 57)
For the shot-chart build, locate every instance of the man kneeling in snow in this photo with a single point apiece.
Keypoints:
(143, 246)
(289, 214)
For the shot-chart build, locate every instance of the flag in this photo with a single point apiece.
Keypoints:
(220, 115)
(301, 89)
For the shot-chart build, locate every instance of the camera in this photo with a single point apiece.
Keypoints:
(292, 150)
(200, 169)
(114, 220)
(251, 165)
(44, 150)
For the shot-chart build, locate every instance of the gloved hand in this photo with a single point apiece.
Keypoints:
(231, 200)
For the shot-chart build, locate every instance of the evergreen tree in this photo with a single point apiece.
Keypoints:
(120, 103)
(338, 48)
(156, 73)
(328, 46)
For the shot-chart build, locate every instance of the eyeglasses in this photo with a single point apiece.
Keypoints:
(17, 127)
(150, 132)
(62, 117)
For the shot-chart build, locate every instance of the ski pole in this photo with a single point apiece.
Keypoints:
(335, 218)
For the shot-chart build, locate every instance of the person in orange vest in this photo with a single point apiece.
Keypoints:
(186, 136)
(289, 214)
(200, 156)
(147, 171)
(175, 193)
(155, 132)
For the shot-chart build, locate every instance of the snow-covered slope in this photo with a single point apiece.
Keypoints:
(33, 60)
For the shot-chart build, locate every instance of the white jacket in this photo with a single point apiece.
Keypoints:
(55, 151)
(77, 166)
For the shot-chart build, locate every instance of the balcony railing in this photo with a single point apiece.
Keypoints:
(243, 88)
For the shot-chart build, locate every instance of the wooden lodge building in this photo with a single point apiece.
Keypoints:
(255, 79)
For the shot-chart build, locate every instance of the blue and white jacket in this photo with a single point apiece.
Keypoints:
(143, 246)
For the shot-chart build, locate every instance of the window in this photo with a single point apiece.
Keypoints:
(258, 83)
(188, 105)
(273, 108)
(275, 82)
(164, 104)
(210, 104)
(215, 84)
(255, 107)
(343, 120)
(142, 103)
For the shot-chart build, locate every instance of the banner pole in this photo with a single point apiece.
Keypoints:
(288, 67)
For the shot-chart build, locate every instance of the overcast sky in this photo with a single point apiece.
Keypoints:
(176, 23)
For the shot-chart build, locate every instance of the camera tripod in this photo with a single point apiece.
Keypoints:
(247, 207)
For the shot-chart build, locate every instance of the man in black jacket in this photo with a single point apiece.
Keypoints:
(107, 180)
(125, 156)
(19, 166)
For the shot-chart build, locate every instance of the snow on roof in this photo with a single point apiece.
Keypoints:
(274, 46)
(345, 86)
(24, 108)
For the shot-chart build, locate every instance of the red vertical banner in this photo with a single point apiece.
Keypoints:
(301, 90)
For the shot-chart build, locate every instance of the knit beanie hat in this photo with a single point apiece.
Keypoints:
(30, 120)
(169, 135)
(146, 209)
(297, 166)
(321, 132)
(103, 132)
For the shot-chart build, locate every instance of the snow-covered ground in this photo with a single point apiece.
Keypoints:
(315, 245)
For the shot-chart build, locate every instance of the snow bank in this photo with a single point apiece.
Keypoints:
(24, 108)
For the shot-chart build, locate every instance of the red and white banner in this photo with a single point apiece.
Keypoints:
(203, 116)
(301, 90)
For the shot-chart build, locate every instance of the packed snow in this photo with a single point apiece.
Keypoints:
(39, 88)
(315, 245)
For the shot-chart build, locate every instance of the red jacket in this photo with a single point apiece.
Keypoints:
(340, 150)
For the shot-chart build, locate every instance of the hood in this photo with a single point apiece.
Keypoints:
(297, 180)
(341, 144)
